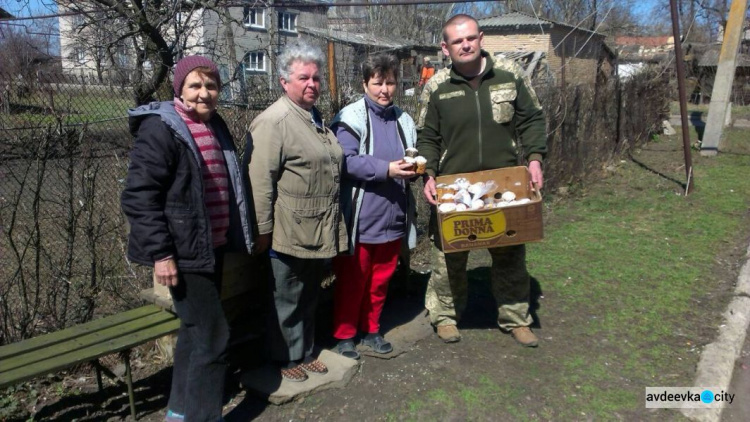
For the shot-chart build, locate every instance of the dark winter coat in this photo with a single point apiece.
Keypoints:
(163, 197)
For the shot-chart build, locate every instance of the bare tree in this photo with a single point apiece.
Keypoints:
(153, 32)
(409, 22)
(608, 17)
(700, 20)
(19, 50)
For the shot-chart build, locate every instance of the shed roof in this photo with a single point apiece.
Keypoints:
(4, 14)
(517, 55)
(520, 20)
(528, 60)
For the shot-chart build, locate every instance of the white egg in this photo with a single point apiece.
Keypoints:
(508, 196)
(447, 207)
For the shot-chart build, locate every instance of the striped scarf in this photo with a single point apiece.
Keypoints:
(214, 168)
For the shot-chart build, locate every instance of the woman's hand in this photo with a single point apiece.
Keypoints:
(262, 243)
(401, 170)
(166, 272)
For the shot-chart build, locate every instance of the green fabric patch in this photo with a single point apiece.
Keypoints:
(450, 95)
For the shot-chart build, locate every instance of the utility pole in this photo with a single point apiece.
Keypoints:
(724, 79)
(332, 83)
(680, 65)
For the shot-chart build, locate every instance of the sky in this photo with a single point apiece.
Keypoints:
(44, 27)
(35, 7)
(644, 8)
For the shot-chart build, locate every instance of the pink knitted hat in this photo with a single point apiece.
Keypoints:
(187, 65)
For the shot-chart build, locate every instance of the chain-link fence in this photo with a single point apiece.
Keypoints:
(63, 156)
(63, 160)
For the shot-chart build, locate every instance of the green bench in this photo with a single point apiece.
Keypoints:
(86, 343)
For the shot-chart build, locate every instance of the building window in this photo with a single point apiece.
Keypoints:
(122, 59)
(254, 18)
(79, 54)
(78, 21)
(255, 61)
(287, 22)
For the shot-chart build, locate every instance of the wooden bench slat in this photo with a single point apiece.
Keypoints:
(89, 353)
(27, 346)
(100, 335)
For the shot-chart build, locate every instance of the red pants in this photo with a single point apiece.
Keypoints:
(361, 287)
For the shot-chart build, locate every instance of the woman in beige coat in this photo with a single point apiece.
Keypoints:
(295, 169)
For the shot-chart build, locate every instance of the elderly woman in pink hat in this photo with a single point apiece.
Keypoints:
(186, 203)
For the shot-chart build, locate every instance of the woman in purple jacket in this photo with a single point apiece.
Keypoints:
(377, 202)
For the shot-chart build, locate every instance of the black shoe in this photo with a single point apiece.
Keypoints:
(347, 349)
(377, 343)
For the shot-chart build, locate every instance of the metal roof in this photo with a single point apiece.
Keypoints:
(521, 20)
(516, 55)
(4, 14)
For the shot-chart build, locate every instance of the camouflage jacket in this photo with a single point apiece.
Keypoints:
(462, 130)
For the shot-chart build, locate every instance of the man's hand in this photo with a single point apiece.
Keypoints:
(400, 169)
(262, 243)
(166, 272)
(430, 193)
(535, 168)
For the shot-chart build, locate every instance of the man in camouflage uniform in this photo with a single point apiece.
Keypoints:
(470, 118)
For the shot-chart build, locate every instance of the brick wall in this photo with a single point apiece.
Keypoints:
(581, 52)
(506, 42)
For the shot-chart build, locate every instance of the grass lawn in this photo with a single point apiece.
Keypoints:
(74, 106)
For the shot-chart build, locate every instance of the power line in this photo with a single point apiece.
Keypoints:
(279, 5)
(31, 18)
(366, 3)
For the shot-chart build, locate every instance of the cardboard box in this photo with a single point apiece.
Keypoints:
(493, 227)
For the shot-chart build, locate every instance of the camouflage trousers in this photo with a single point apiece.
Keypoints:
(447, 289)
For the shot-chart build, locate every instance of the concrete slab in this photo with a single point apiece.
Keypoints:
(401, 334)
(267, 383)
(403, 323)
